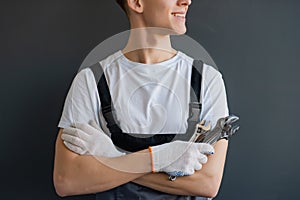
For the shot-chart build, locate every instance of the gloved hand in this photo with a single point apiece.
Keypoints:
(179, 158)
(89, 140)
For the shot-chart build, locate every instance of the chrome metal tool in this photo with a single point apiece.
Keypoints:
(223, 129)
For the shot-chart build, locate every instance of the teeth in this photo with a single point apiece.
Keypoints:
(178, 15)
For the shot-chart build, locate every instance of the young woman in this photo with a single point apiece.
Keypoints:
(149, 82)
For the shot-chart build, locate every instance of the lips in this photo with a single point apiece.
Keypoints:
(179, 14)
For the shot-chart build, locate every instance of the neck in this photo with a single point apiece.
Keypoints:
(149, 45)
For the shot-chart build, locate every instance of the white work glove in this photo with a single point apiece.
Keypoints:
(179, 158)
(88, 139)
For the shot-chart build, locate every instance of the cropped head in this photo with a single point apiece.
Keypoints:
(169, 14)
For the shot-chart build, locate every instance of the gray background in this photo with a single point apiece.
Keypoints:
(255, 43)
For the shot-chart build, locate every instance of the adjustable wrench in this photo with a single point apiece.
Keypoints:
(223, 129)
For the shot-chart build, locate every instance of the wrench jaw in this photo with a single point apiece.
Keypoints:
(221, 123)
(229, 129)
(227, 134)
(231, 119)
(200, 132)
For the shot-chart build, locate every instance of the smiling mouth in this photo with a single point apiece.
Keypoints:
(181, 15)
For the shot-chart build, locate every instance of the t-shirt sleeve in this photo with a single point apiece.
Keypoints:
(82, 102)
(213, 93)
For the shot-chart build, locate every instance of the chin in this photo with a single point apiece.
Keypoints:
(179, 31)
(182, 32)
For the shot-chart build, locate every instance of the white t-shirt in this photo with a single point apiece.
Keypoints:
(148, 98)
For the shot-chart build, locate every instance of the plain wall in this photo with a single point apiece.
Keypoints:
(255, 43)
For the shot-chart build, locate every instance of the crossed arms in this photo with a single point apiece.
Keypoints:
(84, 174)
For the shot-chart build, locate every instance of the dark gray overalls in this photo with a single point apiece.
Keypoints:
(125, 141)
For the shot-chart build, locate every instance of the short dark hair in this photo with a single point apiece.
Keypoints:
(122, 4)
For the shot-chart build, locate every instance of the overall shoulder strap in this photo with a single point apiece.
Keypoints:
(195, 104)
(196, 79)
(102, 86)
(105, 98)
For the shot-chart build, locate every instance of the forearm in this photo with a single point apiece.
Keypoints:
(74, 174)
(204, 182)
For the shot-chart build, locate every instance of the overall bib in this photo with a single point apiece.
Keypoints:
(130, 143)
